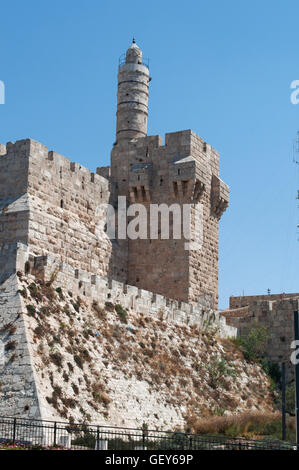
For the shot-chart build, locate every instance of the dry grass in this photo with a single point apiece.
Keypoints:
(240, 424)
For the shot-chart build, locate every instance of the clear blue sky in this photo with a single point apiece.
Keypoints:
(221, 68)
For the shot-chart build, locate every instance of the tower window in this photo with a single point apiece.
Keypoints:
(61, 203)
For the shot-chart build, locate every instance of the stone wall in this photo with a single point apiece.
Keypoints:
(14, 202)
(101, 289)
(276, 313)
(56, 206)
(244, 301)
(18, 393)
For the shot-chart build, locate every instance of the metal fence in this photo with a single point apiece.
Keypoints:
(87, 437)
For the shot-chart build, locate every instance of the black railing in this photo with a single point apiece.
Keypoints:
(87, 437)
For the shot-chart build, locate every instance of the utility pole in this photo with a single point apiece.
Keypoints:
(283, 401)
(296, 159)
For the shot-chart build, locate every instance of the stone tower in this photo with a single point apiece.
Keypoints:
(183, 171)
(132, 96)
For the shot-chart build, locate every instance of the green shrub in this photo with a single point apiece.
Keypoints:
(23, 293)
(122, 313)
(85, 439)
(254, 343)
(273, 370)
(59, 292)
(30, 310)
(290, 399)
(218, 369)
(35, 293)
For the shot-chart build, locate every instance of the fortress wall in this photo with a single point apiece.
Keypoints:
(8, 255)
(14, 169)
(14, 207)
(55, 206)
(203, 269)
(241, 312)
(100, 289)
(278, 317)
(244, 301)
(18, 394)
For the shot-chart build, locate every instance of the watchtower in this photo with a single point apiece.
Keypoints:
(183, 171)
(132, 96)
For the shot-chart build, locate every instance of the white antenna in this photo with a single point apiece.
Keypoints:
(296, 149)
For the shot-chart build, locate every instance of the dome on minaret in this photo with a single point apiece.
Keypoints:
(134, 54)
(132, 95)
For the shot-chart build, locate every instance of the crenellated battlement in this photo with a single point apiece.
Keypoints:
(101, 289)
(52, 161)
(52, 205)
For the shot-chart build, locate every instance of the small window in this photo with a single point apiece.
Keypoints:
(61, 203)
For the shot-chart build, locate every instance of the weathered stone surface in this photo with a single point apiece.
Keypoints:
(276, 313)
(18, 394)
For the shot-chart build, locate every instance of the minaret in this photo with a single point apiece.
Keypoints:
(132, 96)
